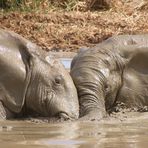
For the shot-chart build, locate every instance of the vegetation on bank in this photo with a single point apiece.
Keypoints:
(71, 5)
(68, 5)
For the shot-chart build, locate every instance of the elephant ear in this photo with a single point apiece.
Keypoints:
(15, 77)
(128, 52)
(135, 75)
(27, 58)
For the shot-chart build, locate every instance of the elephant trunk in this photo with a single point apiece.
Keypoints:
(86, 71)
(91, 97)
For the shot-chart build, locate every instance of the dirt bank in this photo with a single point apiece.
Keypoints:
(68, 31)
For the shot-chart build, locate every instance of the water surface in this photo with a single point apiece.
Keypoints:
(106, 134)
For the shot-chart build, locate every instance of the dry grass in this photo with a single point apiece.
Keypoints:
(69, 5)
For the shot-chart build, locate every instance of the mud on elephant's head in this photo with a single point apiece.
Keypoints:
(51, 91)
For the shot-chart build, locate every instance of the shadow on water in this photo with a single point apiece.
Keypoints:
(113, 133)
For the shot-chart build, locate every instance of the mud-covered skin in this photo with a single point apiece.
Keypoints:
(115, 70)
(31, 85)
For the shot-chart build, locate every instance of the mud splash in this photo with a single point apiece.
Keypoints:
(132, 132)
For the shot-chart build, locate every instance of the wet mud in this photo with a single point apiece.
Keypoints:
(131, 131)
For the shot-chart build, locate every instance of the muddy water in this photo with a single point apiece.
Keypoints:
(111, 133)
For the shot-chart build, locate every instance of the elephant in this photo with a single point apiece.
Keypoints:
(113, 72)
(29, 85)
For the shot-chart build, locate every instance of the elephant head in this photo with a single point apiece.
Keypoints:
(30, 84)
(51, 91)
(89, 81)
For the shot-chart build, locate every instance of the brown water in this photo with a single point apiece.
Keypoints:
(111, 133)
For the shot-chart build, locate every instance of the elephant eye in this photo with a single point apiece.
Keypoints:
(58, 80)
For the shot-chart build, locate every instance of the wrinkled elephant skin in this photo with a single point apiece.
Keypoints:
(114, 71)
(30, 84)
